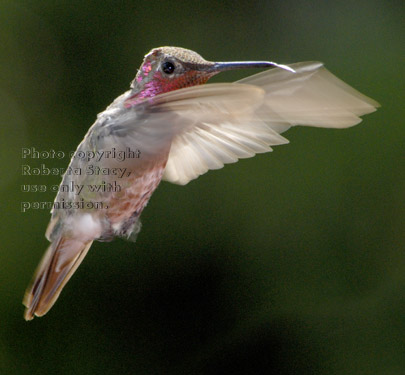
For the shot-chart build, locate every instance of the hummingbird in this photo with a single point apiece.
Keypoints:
(181, 128)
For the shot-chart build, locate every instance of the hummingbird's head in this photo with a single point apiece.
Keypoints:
(166, 69)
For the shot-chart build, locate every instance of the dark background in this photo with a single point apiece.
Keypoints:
(287, 263)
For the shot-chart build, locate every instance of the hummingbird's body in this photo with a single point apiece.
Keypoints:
(181, 129)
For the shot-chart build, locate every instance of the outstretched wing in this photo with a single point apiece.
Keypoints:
(215, 124)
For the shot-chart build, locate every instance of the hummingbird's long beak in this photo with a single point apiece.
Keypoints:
(222, 66)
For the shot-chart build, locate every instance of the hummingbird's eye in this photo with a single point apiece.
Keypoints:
(168, 67)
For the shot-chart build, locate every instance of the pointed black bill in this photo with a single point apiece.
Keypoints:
(222, 66)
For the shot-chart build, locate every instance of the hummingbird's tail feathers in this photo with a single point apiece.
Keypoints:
(312, 96)
(60, 261)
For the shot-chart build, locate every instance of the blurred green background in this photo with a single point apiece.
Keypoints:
(287, 263)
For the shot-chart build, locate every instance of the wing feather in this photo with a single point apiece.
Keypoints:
(312, 96)
(225, 128)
